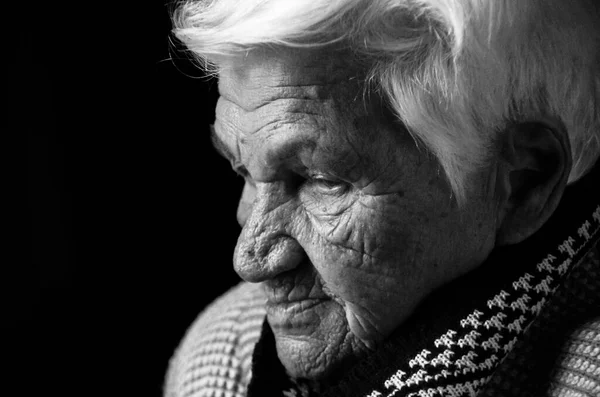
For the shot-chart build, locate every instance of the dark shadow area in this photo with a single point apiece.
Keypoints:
(131, 212)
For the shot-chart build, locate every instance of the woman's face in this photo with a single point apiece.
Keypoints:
(347, 224)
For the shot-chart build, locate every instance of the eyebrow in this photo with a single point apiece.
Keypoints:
(219, 145)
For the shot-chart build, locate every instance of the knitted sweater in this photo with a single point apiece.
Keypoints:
(560, 351)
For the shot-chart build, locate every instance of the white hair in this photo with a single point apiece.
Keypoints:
(456, 72)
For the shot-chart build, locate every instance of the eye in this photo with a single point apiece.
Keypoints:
(243, 172)
(327, 185)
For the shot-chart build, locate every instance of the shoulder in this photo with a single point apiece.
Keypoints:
(559, 355)
(578, 373)
(215, 355)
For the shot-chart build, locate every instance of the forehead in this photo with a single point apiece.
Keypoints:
(264, 75)
(300, 109)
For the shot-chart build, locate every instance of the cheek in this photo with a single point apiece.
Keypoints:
(358, 240)
(376, 229)
(388, 242)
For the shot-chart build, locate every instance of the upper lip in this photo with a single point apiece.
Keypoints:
(284, 289)
(276, 301)
(279, 297)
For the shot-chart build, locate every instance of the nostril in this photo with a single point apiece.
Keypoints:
(256, 264)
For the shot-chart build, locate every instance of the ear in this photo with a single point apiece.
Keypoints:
(532, 173)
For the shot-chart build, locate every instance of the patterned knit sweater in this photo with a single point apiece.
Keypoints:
(558, 356)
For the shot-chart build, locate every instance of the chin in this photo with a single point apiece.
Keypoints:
(316, 345)
(312, 361)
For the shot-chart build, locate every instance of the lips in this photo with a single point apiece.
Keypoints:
(292, 301)
(293, 311)
(295, 286)
(297, 318)
(280, 298)
(292, 307)
(297, 304)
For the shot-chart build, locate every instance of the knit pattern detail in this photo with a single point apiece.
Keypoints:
(559, 353)
(214, 358)
(579, 373)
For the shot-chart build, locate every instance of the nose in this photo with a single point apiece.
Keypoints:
(246, 202)
(265, 247)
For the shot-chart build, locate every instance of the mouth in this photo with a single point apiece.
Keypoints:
(294, 301)
(294, 317)
(296, 285)
(291, 308)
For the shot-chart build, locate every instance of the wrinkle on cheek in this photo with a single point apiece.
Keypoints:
(365, 331)
(340, 230)
(326, 209)
(339, 257)
(350, 232)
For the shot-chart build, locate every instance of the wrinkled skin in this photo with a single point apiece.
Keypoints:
(347, 224)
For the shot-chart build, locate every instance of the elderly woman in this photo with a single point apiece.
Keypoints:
(419, 215)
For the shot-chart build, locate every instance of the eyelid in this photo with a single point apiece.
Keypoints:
(320, 176)
(240, 169)
(339, 186)
(223, 150)
(244, 173)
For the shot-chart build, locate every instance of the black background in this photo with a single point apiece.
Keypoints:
(131, 212)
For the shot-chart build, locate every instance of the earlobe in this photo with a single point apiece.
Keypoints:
(533, 168)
